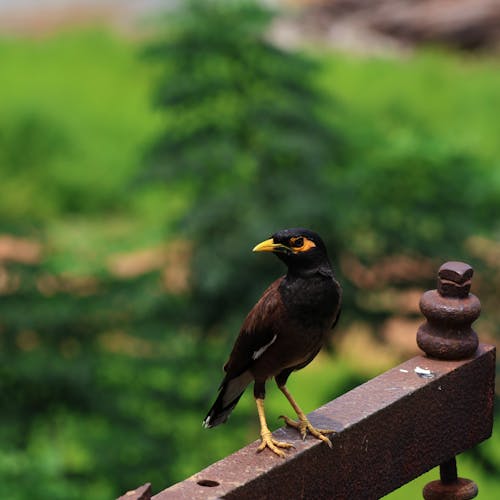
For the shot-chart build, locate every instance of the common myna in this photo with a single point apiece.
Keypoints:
(283, 332)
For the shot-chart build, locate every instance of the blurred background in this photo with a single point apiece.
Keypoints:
(146, 147)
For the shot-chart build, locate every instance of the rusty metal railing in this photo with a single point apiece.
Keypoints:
(390, 430)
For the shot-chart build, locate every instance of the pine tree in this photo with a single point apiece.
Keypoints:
(243, 137)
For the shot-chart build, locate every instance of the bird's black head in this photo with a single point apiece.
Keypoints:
(300, 249)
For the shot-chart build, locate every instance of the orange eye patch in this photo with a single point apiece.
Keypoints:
(301, 244)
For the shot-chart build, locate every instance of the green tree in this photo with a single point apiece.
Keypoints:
(244, 138)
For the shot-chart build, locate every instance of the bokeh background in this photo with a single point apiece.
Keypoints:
(146, 147)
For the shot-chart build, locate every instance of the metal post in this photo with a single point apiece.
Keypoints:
(450, 310)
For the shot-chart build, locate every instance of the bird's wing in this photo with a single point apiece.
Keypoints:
(259, 331)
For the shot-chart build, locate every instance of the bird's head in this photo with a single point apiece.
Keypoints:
(300, 249)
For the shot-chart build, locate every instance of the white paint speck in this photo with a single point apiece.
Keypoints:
(424, 372)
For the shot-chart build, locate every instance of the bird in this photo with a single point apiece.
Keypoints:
(282, 333)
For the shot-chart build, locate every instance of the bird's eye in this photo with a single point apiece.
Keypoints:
(297, 242)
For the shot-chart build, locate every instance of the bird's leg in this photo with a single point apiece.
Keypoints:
(267, 438)
(303, 425)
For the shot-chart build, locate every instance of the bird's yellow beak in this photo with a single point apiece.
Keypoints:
(270, 246)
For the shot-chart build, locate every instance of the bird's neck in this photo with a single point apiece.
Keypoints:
(309, 296)
(304, 272)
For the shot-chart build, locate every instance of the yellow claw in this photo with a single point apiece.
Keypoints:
(269, 442)
(303, 426)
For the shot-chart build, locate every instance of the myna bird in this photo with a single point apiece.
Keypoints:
(283, 332)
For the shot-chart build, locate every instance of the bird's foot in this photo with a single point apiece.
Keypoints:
(269, 442)
(303, 426)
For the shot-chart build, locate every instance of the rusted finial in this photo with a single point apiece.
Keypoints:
(450, 310)
(450, 486)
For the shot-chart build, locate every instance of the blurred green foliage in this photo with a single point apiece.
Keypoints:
(242, 134)
(74, 119)
(382, 157)
(426, 161)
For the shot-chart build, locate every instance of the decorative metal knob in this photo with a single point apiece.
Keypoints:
(450, 310)
(449, 486)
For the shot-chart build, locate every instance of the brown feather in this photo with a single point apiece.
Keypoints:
(257, 330)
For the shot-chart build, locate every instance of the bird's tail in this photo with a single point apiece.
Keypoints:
(230, 392)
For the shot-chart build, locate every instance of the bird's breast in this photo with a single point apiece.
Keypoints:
(311, 302)
(310, 308)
